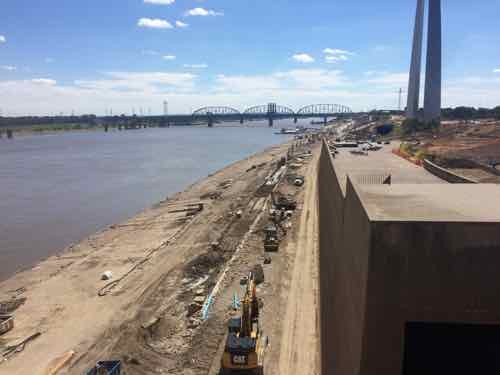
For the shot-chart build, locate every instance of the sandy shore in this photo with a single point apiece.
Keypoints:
(160, 261)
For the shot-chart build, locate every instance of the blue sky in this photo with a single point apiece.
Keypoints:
(89, 56)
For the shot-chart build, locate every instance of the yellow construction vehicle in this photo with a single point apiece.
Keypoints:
(245, 345)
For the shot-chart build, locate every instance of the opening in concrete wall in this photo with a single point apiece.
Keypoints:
(458, 349)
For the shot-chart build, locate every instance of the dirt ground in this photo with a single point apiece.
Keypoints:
(163, 264)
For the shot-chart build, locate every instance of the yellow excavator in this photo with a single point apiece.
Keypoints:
(245, 345)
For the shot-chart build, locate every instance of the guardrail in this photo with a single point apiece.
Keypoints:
(446, 175)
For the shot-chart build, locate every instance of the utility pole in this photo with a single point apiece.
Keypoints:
(165, 108)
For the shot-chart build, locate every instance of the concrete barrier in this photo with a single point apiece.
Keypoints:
(460, 163)
(446, 175)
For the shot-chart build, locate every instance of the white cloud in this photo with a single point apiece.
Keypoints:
(335, 51)
(146, 82)
(10, 68)
(44, 81)
(334, 55)
(150, 52)
(334, 58)
(154, 23)
(388, 79)
(181, 24)
(3, 39)
(496, 70)
(196, 66)
(160, 2)
(203, 12)
(296, 82)
(243, 84)
(312, 79)
(169, 57)
(303, 58)
(294, 88)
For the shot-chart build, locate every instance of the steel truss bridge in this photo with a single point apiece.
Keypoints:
(270, 112)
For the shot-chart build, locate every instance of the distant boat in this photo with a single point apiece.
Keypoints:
(285, 131)
(298, 130)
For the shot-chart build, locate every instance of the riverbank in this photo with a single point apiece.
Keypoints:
(61, 188)
(160, 261)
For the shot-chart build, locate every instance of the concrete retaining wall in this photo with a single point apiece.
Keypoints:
(446, 175)
(344, 233)
(331, 217)
(426, 272)
(378, 273)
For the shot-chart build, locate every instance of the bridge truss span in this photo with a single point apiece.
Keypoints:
(269, 109)
(206, 111)
(323, 109)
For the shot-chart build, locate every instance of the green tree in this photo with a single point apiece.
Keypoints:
(496, 111)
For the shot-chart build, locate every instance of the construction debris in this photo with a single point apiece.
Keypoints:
(213, 195)
(107, 275)
(106, 368)
(6, 323)
(226, 184)
(9, 306)
(17, 348)
(299, 181)
(190, 209)
(58, 363)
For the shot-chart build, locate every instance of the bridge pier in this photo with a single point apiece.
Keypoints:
(242, 120)
(9, 134)
(106, 128)
(295, 120)
(271, 122)
(325, 121)
(210, 122)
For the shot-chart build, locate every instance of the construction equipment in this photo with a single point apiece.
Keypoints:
(271, 239)
(281, 202)
(106, 368)
(245, 345)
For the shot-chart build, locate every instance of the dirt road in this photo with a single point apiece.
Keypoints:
(297, 350)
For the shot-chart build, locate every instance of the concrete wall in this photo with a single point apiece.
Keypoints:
(349, 287)
(376, 275)
(427, 272)
(344, 245)
(331, 211)
(446, 175)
